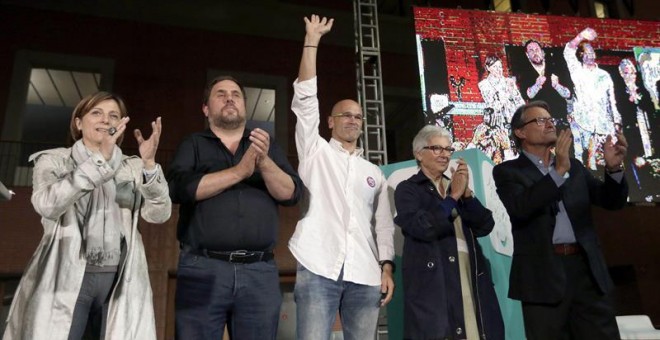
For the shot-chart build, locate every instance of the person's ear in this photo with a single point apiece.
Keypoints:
(519, 133)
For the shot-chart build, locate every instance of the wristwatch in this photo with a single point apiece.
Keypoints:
(619, 168)
(384, 262)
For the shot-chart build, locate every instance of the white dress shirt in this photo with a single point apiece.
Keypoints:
(347, 221)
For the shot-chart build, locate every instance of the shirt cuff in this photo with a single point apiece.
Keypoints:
(149, 174)
(104, 167)
(617, 176)
(557, 178)
(448, 204)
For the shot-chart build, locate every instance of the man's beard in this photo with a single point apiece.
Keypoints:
(537, 63)
(228, 122)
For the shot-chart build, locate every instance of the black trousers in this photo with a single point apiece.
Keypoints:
(584, 313)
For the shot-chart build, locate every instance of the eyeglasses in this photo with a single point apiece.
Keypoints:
(348, 115)
(541, 121)
(437, 149)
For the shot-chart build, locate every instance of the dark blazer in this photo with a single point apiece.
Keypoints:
(433, 304)
(530, 198)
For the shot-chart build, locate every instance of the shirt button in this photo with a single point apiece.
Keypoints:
(430, 264)
(459, 330)
(452, 259)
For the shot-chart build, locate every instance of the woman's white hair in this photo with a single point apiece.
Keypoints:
(425, 134)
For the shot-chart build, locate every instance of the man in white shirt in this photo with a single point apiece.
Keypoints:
(344, 242)
(595, 115)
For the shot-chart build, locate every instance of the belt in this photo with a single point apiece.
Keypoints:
(236, 256)
(567, 248)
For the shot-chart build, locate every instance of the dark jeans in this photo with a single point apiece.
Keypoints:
(92, 306)
(584, 313)
(211, 293)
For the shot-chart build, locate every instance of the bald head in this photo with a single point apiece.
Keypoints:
(346, 105)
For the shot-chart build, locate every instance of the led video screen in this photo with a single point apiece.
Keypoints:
(597, 75)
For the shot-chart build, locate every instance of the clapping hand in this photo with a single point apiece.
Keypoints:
(459, 179)
(260, 143)
(562, 147)
(614, 153)
(148, 147)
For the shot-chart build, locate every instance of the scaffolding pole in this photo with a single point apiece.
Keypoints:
(369, 81)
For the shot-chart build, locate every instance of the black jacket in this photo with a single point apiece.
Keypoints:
(431, 279)
(530, 198)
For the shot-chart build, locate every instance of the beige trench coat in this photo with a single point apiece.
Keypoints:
(46, 296)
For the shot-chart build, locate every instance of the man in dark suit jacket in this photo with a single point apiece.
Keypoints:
(558, 270)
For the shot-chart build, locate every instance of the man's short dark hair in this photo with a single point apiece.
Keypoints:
(517, 118)
(531, 41)
(210, 84)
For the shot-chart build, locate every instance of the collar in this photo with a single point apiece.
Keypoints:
(207, 133)
(339, 147)
(420, 177)
(539, 69)
(536, 160)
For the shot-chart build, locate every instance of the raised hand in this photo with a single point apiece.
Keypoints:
(615, 153)
(315, 28)
(588, 34)
(109, 141)
(562, 147)
(148, 147)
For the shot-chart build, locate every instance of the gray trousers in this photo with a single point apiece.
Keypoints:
(92, 306)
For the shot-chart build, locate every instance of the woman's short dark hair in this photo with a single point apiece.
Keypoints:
(87, 104)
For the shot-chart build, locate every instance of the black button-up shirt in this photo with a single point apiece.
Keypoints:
(244, 216)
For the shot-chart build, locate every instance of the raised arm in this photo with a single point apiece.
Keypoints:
(315, 28)
(305, 104)
(571, 47)
(587, 34)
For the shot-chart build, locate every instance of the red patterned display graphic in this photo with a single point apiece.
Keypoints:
(598, 76)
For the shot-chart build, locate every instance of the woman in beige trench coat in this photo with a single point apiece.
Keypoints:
(90, 265)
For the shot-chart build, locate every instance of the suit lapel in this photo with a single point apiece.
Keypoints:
(528, 168)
